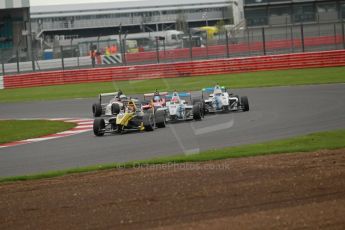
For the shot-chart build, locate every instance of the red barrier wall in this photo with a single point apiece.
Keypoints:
(234, 48)
(196, 68)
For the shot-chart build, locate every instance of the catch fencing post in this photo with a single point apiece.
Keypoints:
(206, 46)
(157, 49)
(17, 56)
(124, 60)
(335, 35)
(227, 44)
(292, 42)
(318, 23)
(71, 48)
(33, 59)
(120, 40)
(3, 65)
(164, 46)
(342, 32)
(122, 45)
(62, 61)
(2, 75)
(263, 40)
(248, 41)
(78, 55)
(302, 37)
(190, 47)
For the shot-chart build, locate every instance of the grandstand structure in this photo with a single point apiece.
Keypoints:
(109, 18)
(14, 29)
(287, 12)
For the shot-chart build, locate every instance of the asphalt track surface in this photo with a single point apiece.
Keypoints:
(275, 113)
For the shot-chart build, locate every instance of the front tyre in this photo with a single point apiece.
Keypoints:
(115, 108)
(148, 122)
(197, 113)
(160, 119)
(99, 127)
(97, 109)
(245, 103)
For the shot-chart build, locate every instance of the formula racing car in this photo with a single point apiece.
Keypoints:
(157, 99)
(178, 109)
(217, 99)
(132, 118)
(113, 107)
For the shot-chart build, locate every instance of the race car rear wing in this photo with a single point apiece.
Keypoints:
(180, 94)
(106, 94)
(209, 90)
(152, 94)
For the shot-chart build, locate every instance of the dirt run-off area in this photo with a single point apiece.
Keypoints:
(285, 191)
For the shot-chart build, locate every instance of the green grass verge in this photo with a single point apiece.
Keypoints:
(241, 80)
(307, 143)
(29, 129)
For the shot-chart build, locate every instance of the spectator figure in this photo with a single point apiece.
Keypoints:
(107, 51)
(98, 57)
(113, 49)
(93, 57)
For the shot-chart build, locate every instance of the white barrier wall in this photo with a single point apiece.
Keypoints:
(47, 64)
(57, 63)
(1, 82)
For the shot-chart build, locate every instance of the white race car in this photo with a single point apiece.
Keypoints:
(217, 99)
(178, 109)
(113, 107)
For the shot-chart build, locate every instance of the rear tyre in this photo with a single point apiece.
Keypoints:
(119, 129)
(160, 119)
(197, 114)
(115, 108)
(97, 109)
(98, 127)
(245, 103)
(201, 103)
(148, 122)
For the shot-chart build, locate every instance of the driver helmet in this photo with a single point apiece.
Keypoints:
(217, 90)
(131, 106)
(175, 100)
(122, 97)
(156, 98)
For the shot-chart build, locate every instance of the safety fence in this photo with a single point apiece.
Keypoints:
(182, 69)
(221, 50)
(184, 54)
(240, 42)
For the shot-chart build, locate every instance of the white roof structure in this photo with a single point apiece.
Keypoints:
(136, 13)
(122, 7)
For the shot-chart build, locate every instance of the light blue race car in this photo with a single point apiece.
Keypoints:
(217, 99)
